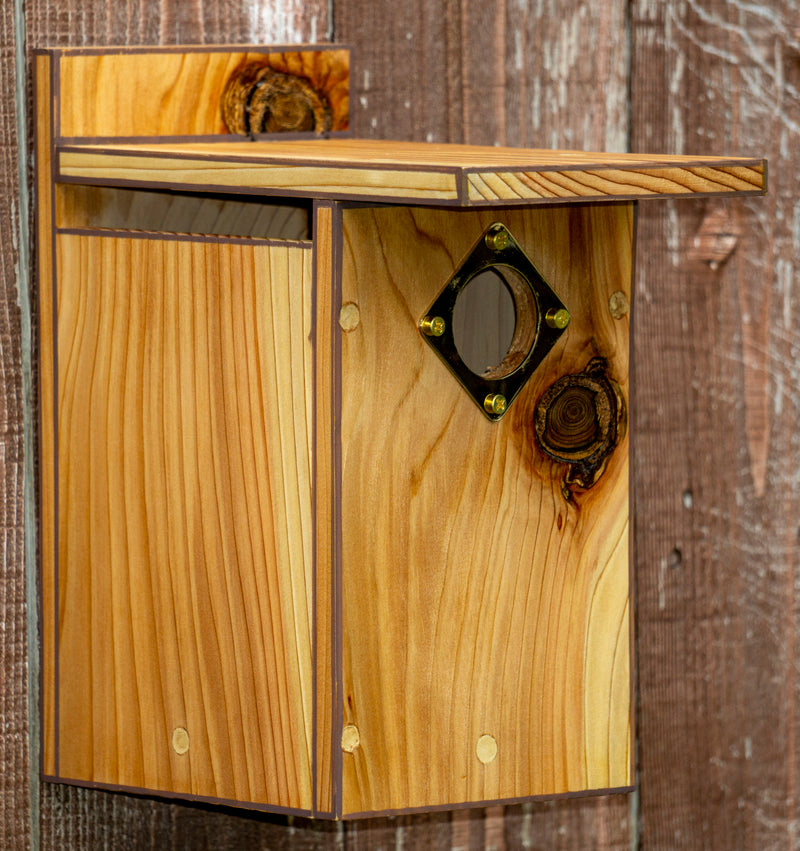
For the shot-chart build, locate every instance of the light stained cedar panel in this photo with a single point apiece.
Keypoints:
(185, 585)
(426, 173)
(326, 238)
(173, 212)
(47, 502)
(171, 92)
(478, 602)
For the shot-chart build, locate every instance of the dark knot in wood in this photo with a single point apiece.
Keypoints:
(571, 421)
(578, 421)
(257, 100)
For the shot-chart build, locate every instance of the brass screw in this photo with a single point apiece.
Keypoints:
(495, 403)
(557, 318)
(432, 326)
(497, 239)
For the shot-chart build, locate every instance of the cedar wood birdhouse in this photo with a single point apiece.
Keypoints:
(334, 442)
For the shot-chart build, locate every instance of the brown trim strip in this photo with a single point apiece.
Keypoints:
(499, 802)
(337, 660)
(185, 237)
(68, 141)
(268, 808)
(39, 453)
(594, 199)
(627, 165)
(258, 159)
(186, 796)
(314, 511)
(55, 107)
(633, 678)
(216, 48)
(56, 626)
(281, 193)
(460, 197)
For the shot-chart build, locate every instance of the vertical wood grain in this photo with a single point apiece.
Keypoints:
(749, 800)
(73, 817)
(717, 397)
(15, 758)
(505, 73)
(476, 600)
(461, 83)
(47, 485)
(146, 22)
(326, 235)
(185, 517)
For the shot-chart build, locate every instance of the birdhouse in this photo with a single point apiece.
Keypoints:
(335, 502)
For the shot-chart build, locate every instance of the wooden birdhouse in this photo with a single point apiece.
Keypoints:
(334, 442)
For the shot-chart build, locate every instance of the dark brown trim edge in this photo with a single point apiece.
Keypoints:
(78, 141)
(169, 236)
(499, 802)
(54, 118)
(196, 48)
(634, 670)
(269, 191)
(314, 495)
(337, 660)
(184, 796)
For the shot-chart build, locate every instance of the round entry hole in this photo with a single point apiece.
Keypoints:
(494, 321)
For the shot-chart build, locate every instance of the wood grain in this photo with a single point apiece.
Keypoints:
(47, 424)
(463, 616)
(139, 209)
(74, 817)
(718, 397)
(508, 74)
(488, 74)
(185, 517)
(426, 173)
(536, 89)
(327, 233)
(17, 755)
(157, 92)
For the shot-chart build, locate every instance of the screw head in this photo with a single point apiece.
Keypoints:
(495, 403)
(433, 326)
(351, 738)
(498, 238)
(180, 740)
(486, 749)
(557, 318)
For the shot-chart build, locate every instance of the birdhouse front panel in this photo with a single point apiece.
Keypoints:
(485, 590)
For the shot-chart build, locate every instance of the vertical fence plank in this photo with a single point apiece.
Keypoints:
(718, 387)
(505, 73)
(14, 755)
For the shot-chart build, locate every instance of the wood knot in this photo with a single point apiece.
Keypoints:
(258, 99)
(578, 421)
(571, 420)
(716, 239)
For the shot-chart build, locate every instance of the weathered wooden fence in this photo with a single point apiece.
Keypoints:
(716, 438)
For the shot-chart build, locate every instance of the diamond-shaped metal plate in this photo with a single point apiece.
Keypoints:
(541, 318)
